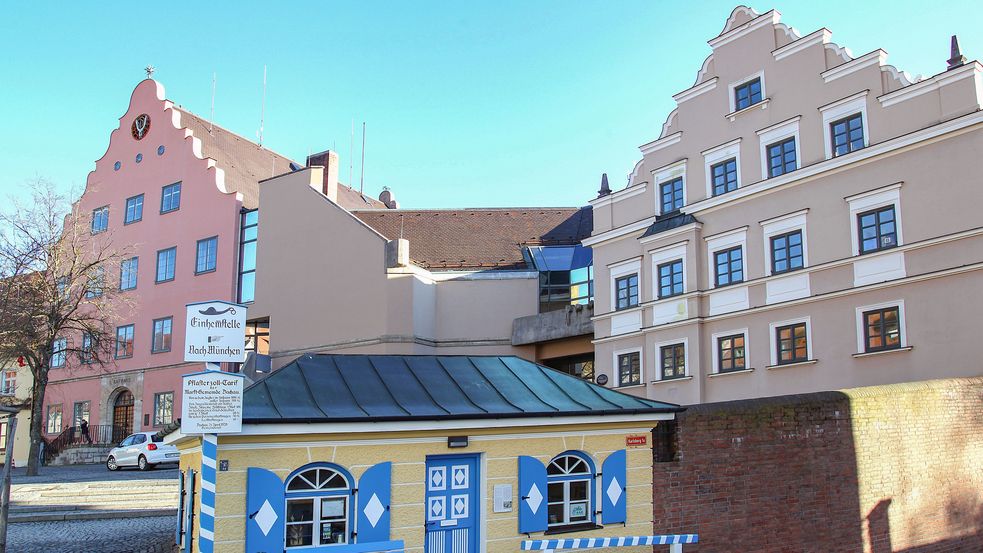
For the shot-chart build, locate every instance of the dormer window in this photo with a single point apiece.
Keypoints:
(747, 94)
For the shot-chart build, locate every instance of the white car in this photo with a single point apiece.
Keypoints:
(143, 450)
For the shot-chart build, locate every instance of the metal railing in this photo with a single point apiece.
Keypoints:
(98, 435)
(674, 541)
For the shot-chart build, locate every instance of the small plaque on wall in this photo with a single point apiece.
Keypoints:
(503, 498)
(637, 440)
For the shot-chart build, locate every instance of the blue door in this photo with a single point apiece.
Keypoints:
(452, 504)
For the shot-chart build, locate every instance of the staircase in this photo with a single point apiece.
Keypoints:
(81, 455)
(93, 500)
(71, 448)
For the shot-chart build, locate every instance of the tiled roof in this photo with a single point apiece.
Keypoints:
(370, 388)
(470, 239)
(245, 163)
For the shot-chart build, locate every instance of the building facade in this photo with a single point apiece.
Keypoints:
(511, 281)
(179, 193)
(806, 220)
(463, 454)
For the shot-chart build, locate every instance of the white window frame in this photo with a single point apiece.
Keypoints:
(616, 369)
(902, 326)
(725, 241)
(777, 133)
(565, 479)
(839, 109)
(621, 269)
(718, 154)
(773, 338)
(783, 224)
(665, 174)
(716, 351)
(733, 86)
(665, 255)
(658, 358)
(868, 201)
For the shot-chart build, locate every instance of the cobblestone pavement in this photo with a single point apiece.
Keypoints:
(136, 535)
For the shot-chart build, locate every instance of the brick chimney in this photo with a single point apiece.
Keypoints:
(328, 160)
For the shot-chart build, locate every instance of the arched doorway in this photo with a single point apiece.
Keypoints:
(122, 415)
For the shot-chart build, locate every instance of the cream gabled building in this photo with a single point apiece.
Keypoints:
(806, 220)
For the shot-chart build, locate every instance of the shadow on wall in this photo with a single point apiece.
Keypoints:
(888, 469)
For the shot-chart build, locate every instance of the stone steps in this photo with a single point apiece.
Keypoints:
(67, 513)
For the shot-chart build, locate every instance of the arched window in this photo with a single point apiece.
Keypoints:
(570, 489)
(318, 506)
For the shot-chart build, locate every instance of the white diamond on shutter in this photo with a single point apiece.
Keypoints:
(265, 518)
(535, 499)
(374, 510)
(614, 490)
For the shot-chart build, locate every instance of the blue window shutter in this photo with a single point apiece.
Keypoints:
(614, 488)
(179, 530)
(532, 495)
(372, 511)
(264, 512)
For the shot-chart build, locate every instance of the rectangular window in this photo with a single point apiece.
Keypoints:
(626, 288)
(729, 266)
(671, 194)
(124, 342)
(170, 198)
(792, 343)
(847, 134)
(670, 279)
(100, 219)
(878, 229)
(59, 349)
(673, 361)
(9, 385)
(3, 435)
(86, 355)
(327, 514)
(747, 94)
(781, 157)
(882, 329)
(96, 282)
(730, 353)
(207, 252)
(128, 273)
(80, 412)
(134, 210)
(724, 176)
(162, 335)
(54, 419)
(786, 252)
(165, 264)
(247, 256)
(629, 369)
(163, 408)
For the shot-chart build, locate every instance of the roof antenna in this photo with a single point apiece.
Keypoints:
(956, 58)
(361, 184)
(211, 118)
(351, 154)
(262, 109)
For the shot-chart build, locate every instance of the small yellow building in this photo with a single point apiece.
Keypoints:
(15, 391)
(443, 454)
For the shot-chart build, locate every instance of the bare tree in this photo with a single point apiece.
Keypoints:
(56, 308)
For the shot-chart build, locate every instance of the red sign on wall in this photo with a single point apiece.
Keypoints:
(637, 440)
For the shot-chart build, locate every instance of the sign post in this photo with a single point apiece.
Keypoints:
(211, 401)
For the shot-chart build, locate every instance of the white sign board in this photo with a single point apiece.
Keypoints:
(211, 403)
(502, 498)
(215, 333)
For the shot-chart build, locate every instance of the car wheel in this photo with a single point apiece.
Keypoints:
(111, 463)
(143, 464)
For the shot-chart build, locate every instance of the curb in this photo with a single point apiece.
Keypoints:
(75, 514)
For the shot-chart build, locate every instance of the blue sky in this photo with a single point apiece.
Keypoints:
(468, 104)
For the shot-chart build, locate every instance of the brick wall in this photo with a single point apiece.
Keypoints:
(885, 469)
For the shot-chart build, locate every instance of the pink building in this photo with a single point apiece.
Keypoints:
(180, 193)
